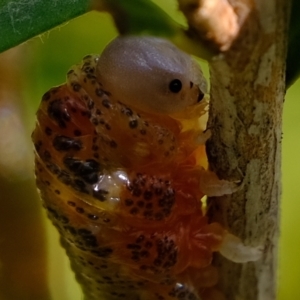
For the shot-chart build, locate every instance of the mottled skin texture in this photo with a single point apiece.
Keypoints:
(122, 187)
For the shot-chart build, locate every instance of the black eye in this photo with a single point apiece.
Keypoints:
(175, 86)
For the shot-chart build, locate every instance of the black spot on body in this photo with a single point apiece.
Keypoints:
(126, 111)
(83, 231)
(47, 155)
(133, 124)
(106, 103)
(95, 121)
(52, 212)
(148, 195)
(80, 210)
(103, 252)
(64, 220)
(55, 90)
(128, 202)
(90, 104)
(64, 177)
(136, 192)
(89, 70)
(71, 230)
(134, 211)
(158, 191)
(140, 204)
(53, 168)
(38, 145)
(46, 96)
(86, 114)
(93, 217)
(64, 143)
(90, 241)
(133, 247)
(100, 194)
(77, 132)
(99, 92)
(140, 238)
(145, 254)
(48, 131)
(75, 86)
(87, 57)
(80, 186)
(113, 144)
(148, 244)
(58, 112)
(91, 178)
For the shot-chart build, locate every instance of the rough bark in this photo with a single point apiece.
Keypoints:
(247, 94)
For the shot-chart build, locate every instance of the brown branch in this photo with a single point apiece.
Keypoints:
(247, 93)
(218, 22)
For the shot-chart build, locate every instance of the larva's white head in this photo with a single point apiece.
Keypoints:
(150, 74)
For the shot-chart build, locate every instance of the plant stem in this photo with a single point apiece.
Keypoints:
(247, 94)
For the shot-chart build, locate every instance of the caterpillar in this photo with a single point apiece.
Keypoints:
(119, 167)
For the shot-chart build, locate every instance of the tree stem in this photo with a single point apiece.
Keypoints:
(247, 94)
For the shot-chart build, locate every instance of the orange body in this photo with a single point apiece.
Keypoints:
(122, 187)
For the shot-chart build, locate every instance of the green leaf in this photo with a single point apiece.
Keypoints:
(293, 61)
(140, 17)
(21, 20)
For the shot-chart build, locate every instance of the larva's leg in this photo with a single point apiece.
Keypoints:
(214, 237)
(212, 186)
(235, 250)
(203, 137)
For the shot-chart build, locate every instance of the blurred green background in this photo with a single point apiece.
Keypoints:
(26, 236)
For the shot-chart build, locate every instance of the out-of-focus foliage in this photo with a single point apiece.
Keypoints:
(23, 264)
(21, 20)
(140, 17)
(289, 266)
(47, 60)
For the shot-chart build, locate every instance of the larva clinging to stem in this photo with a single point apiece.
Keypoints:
(118, 166)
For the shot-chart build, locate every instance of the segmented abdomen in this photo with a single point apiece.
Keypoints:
(122, 188)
